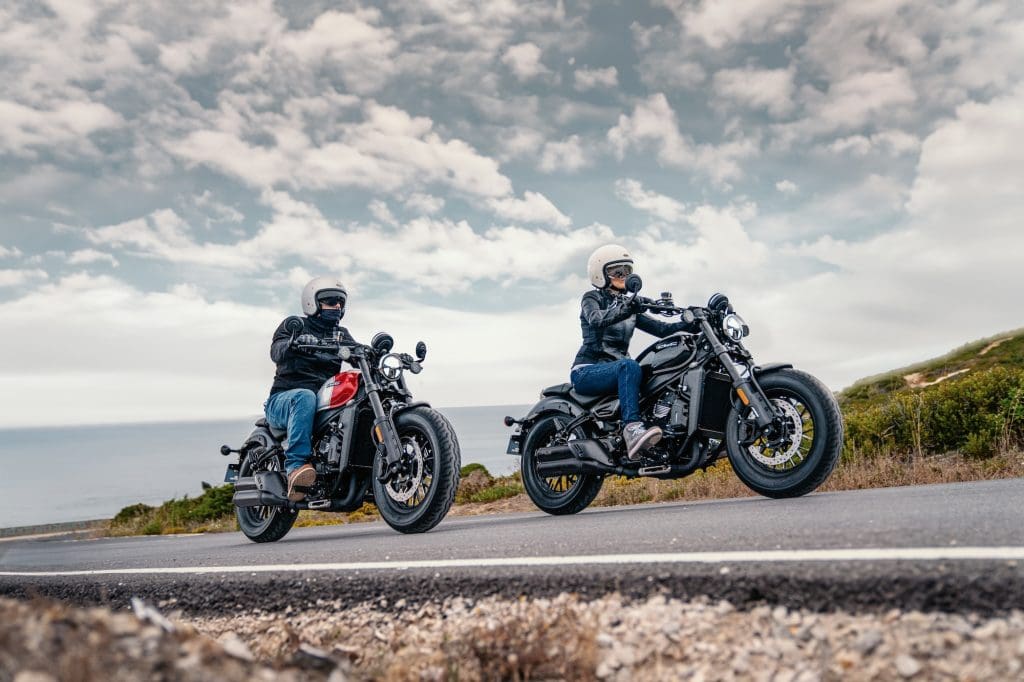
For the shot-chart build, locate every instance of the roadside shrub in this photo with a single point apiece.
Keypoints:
(132, 512)
(474, 466)
(968, 414)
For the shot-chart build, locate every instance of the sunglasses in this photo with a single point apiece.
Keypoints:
(332, 300)
(619, 271)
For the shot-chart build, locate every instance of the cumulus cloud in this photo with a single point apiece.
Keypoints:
(566, 155)
(653, 125)
(86, 256)
(787, 187)
(534, 207)
(386, 151)
(424, 203)
(524, 61)
(658, 205)
(768, 89)
(585, 79)
(17, 277)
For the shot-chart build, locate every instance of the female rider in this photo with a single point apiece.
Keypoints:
(602, 364)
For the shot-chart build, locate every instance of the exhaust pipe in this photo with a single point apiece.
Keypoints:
(265, 489)
(575, 457)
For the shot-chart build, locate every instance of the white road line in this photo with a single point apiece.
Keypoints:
(750, 557)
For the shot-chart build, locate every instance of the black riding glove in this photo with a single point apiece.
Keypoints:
(306, 340)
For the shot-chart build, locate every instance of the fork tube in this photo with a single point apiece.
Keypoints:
(383, 428)
(743, 386)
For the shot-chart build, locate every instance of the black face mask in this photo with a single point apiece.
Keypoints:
(331, 315)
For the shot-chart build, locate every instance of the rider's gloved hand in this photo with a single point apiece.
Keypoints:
(636, 305)
(306, 340)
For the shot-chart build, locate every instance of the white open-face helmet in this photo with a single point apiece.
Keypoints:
(322, 287)
(597, 264)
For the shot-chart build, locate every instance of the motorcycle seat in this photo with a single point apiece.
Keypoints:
(566, 390)
(276, 433)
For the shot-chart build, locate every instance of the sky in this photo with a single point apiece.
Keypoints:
(849, 174)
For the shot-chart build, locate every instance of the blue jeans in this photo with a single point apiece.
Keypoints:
(293, 411)
(606, 377)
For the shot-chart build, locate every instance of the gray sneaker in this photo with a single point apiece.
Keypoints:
(638, 437)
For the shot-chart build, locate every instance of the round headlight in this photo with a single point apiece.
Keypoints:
(734, 327)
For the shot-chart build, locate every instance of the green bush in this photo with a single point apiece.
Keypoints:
(969, 413)
(475, 466)
(133, 512)
(494, 493)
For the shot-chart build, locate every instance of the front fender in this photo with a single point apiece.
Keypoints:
(409, 406)
(773, 367)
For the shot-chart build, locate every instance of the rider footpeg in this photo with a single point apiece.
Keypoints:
(654, 470)
(319, 504)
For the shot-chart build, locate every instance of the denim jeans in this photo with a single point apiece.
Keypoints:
(293, 411)
(606, 377)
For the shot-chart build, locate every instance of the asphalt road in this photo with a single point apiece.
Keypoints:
(950, 547)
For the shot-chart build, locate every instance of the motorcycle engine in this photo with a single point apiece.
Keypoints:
(672, 413)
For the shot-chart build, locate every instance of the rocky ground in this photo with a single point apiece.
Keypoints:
(560, 638)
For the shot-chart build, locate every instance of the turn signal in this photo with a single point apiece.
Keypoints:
(743, 396)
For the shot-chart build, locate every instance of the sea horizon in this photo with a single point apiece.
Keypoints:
(82, 472)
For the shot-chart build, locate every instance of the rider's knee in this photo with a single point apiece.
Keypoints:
(303, 398)
(630, 366)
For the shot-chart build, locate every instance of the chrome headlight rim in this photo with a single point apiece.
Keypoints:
(734, 327)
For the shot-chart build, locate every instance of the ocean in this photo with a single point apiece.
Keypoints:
(77, 473)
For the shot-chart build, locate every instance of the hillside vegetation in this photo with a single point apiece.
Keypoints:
(969, 401)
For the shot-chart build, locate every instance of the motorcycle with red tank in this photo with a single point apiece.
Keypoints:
(371, 443)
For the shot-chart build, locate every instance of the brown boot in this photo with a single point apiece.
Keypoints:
(298, 480)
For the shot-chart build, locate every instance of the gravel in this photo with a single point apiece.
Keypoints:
(564, 637)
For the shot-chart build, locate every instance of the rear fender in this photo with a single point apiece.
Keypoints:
(548, 405)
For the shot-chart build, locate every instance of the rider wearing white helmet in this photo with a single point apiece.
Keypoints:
(300, 373)
(608, 319)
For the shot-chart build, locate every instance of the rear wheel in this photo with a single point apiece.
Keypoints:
(803, 452)
(557, 495)
(264, 524)
(417, 499)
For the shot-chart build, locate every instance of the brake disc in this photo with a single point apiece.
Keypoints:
(402, 488)
(794, 424)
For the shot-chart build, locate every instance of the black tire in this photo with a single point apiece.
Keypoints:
(557, 495)
(263, 524)
(428, 430)
(801, 467)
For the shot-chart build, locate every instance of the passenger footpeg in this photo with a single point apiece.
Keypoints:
(654, 470)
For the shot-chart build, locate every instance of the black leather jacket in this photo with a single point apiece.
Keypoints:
(302, 369)
(608, 324)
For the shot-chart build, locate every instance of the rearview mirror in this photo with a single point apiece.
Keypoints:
(421, 351)
(634, 283)
(294, 325)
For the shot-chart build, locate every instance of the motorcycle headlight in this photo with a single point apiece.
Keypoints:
(734, 327)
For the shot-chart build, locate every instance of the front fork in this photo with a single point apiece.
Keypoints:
(744, 384)
(384, 432)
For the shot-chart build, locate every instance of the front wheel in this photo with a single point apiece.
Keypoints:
(416, 500)
(805, 447)
(557, 495)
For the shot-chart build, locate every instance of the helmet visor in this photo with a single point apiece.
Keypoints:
(331, 297)
(618, 270)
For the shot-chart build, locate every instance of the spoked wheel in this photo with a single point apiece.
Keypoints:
(416, 500)
(556, 495)
(264, 524)
(804, 445)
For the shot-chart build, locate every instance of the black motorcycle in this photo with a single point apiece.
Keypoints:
(780, 428)
(371, 443)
